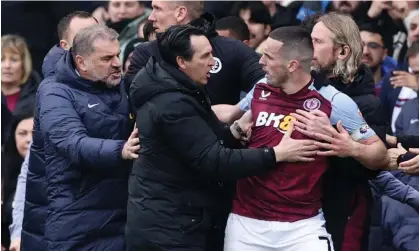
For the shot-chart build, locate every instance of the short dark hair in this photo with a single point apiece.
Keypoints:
(259, 13)
(235, 25)
(413, 49)
(148, 29)
(64, 23)
(377, 29)
(297, 44)
(176, 41)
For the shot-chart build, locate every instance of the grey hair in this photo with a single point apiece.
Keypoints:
(84, 40)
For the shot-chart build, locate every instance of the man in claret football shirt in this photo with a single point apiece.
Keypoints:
(281, 210)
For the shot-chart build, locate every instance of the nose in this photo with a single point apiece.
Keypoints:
(122, 10)
(365, 49)
(152, 17)
(262, 60)
(212, 61)
(6, 63)
(116, 62)
(28, 138)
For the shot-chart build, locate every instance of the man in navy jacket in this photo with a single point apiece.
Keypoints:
(85, 123)
(28, 226)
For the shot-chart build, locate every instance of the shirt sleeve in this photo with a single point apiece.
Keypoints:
(346, 110)
(246, 101)
(18, 204)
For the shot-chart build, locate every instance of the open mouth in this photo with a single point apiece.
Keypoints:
(208, 75)
(116, 74)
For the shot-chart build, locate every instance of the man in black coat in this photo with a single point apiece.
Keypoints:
(175, 199)
(236, 66)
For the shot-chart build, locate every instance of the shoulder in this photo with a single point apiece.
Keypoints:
(172, 105)
(335, 97)
(147, 48)
(225, 44)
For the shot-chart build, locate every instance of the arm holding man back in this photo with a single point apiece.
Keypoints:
(352, 138)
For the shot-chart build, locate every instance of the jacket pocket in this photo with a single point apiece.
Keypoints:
(195, 223)
(195, 217)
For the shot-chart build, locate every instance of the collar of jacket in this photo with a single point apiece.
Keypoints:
(180, 77)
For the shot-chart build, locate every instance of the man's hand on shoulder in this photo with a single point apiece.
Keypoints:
(132, 146)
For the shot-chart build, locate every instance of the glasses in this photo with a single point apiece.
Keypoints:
(373, 46)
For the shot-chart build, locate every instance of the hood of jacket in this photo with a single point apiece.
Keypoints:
(66, 74)
(206, 22)
(51, 59)
(157, 78)
(363, 83)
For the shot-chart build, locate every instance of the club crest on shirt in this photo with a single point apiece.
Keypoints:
(311, 104)
(217, 65)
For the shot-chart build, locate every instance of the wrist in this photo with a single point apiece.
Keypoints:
(356, 150)
(237, 131)
(233, 130)
(279, 157)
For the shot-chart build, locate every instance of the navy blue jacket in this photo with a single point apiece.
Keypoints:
(32, 238)
(84, 125)
(395, 225)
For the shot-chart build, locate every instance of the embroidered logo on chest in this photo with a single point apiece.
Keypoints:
(311, 104)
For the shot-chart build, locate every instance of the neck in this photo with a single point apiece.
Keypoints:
(376, 72)
(10, 88)
(83, 74)
(295, 83)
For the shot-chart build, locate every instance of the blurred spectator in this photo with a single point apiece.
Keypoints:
(258, 20)
(15, 149)
(233, 27)
(283, 15)
(128, 52)
(219, 9)
(407, 123)
(18, 81)
(375, 49)
(124, 17)
(36, 22)
(400, 87)
(413, 27)
(149, 31)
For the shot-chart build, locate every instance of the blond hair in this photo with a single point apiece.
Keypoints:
(345, 32)
(17, 45)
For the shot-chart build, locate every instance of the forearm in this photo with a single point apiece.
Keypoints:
(373, 156)
(230, 164)
(93, 152)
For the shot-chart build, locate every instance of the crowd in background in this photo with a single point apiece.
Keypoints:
(390, 35)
